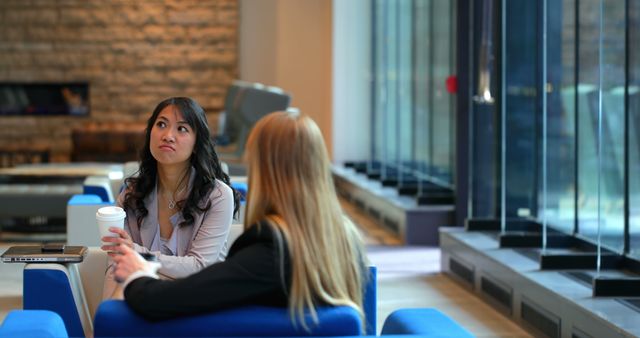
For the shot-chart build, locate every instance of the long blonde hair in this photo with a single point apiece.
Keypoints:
(291, 187)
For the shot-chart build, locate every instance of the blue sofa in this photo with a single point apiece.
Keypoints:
(115, 319)
(53, 287)
(58, 288)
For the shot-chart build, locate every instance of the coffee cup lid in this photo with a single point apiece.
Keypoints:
(110, 213)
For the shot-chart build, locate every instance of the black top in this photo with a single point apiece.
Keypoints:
(253, 274)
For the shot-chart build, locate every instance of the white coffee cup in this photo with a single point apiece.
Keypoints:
(110, 217)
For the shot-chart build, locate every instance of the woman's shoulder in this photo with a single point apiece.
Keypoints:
(221, 190)
(260, 232)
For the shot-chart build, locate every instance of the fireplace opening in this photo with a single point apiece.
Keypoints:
(44, 99)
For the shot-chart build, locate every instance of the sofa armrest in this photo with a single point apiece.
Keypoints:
(33, 324)
(426, 322)
(57, 288)
(114, 318)
(92, 275)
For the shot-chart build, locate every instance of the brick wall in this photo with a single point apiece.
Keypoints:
(132, 53)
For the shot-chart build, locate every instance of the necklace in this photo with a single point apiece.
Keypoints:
(172, 200)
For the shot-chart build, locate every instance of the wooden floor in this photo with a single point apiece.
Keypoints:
(410, 277)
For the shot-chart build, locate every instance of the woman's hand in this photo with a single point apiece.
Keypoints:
(127, 262)
(113, 244)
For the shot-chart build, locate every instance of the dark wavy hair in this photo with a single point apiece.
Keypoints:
(204, 159)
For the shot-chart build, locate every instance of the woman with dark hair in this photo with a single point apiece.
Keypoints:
(180, 204)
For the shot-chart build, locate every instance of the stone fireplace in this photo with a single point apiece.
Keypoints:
(132, 54)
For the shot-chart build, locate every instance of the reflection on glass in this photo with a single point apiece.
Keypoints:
(592, 129)
(581, 136)
(522, 113)
(587, 111)
(423, 75)
(380, 88)
(413, 113)
(434, 59)
(484, 129)
(561, 112)
(485, 55)
(634, 129)
(390, 119)
(403, 110)
(442, 102)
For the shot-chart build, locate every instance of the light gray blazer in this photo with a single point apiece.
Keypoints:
(198, 245)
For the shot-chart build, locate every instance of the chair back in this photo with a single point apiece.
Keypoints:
(230, 121)
(82, 228)
(245, 104)
(115, 318)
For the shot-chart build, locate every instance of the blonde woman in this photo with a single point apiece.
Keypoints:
(297, 251)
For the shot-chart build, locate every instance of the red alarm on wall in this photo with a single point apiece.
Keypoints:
(452, 84)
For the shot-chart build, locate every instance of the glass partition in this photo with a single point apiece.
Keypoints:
(391, 117)
(601, 123)
(379, 91)
(404, 109)
(587, 117)
(522, 112)
(483, 141)
(443, 113)
(434, 63)
(613, 125)
(634, 128)
(559, 142)
(413, 114)
(561, 115)
(383, 38)
(423, 43)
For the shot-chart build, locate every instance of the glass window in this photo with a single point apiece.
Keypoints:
(634, 128)
(413, 117)
(612, 126)
(391, 68)
(600, 120)
(404, 109)
(522, 113)
(381, 40)
(561, 115)
(443, 112)
(565, 163)
(422, 88)
(434, 106)
(483, 141)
